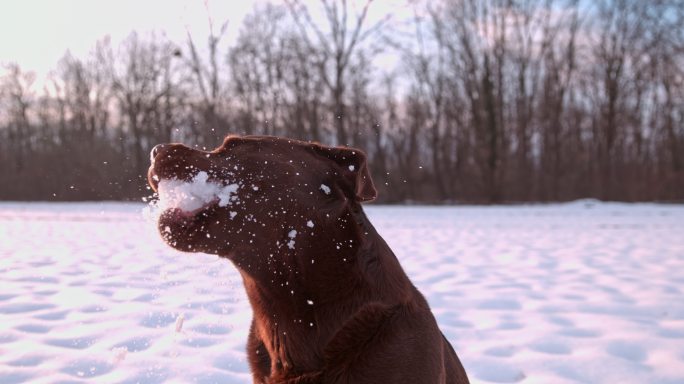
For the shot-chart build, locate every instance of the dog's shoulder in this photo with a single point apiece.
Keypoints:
(359, 330)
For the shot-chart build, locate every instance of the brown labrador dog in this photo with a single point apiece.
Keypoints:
(331, 303)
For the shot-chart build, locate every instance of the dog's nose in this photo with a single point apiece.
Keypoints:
(157, 148)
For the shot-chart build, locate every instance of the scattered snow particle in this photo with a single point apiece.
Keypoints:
(310, 302)
(119, 354)
(325, 189)
(233, 214)
(179, 322)
(351, 168)
(292, 234)
(310, 224)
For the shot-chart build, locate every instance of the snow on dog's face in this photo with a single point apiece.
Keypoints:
(191, 196)
(253, 193)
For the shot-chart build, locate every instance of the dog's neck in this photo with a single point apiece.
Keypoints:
(287, 304)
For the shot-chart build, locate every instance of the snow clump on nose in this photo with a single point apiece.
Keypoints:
(189, 196)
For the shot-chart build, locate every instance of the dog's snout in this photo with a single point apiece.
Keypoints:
(155, 151)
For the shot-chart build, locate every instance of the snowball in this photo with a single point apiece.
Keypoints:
(325, 189)
(195, 194)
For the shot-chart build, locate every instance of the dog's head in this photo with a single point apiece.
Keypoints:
(257, 193)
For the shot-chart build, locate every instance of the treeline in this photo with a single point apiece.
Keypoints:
(491, 101)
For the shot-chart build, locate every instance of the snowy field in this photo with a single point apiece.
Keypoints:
(568, 293)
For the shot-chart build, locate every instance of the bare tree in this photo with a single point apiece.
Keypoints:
(474, 36)
(258, 62)
(145, 85)
(84, 97)
(335, 47)
(17, 98)
(557, 58)
(210, 125)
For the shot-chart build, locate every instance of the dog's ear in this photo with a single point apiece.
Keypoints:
(354, 168)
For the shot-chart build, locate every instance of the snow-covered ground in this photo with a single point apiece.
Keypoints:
(569, 293)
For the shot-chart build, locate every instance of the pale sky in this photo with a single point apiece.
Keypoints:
(37, 33)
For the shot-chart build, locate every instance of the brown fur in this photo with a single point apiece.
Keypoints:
(337, 306)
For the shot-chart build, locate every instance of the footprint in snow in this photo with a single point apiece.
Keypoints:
(551, 347)
(627, 350)
(495, 371)
(504, 351)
